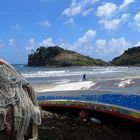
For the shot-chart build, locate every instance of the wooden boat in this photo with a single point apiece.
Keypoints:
(116, 104)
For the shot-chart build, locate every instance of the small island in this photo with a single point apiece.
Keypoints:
(130, 57)
(57, 56)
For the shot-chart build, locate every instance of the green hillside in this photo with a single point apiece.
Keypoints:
(57, 56)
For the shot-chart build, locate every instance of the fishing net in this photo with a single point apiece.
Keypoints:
(16, 91)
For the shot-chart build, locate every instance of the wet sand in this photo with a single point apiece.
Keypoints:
(126, 85)
(72, 86)
(41, 87)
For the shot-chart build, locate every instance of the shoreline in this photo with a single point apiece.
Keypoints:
(82, 85)
(119, 84)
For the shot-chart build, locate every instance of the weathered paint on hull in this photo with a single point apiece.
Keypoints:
(126, 106)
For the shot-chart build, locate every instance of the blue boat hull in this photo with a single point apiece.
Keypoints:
(122, 105)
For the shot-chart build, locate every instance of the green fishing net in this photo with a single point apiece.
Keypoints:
(16, 91)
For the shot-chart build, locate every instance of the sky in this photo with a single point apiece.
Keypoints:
(101, 29)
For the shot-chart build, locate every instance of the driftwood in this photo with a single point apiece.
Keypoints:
(19, 110)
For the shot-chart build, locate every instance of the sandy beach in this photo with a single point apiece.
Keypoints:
(122, 85)
(82, 85)
(70, 127)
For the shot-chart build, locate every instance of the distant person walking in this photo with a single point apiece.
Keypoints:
(84, 77)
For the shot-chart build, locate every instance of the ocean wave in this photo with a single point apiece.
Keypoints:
(125, 82)
(43, 73)
(63, 73)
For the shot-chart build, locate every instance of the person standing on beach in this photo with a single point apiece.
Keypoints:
(84, 77)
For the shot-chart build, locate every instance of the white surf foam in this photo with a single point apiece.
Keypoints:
(43, 74)
(71, 72)
(125, 82)
(84, 85)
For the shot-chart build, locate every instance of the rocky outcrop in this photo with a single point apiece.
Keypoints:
(57, 56)
(129, 57)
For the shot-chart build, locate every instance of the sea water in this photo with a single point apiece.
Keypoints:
(105, 79)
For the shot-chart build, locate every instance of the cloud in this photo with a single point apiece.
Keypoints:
(12, 42)
(86, 12)
(137, 44)
(106, 13)
(114, 24)
(100, 43)
(87, 45)
(87, 37)
(125, 17)
(100, 48)
(119, 45)
(136, 22)
(30, 46)
(110, 24)
(106, 10)
(83, 44)
(112, 48)
(70, 22)
(45, 24)
(111, 17)
(73, 10)
(15, 27)
(79, 7)
(125, 4)
(47, 42)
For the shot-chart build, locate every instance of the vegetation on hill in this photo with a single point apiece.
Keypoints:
(57, 56)
(129, 57)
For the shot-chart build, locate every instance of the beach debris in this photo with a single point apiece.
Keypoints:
(95, 120)
(84, 115)
(19, 110)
